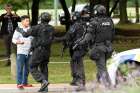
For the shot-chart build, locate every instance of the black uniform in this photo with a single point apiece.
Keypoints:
(99, 36)
(77, 67)
(40, 48)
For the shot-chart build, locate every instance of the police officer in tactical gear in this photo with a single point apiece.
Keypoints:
(62, 19)
(40, 48)
(99, 36)
(77, 67)
(85, 13)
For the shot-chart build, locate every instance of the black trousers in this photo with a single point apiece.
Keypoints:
(39, 64)
(100, 55)
(8, 43)
(77, 66)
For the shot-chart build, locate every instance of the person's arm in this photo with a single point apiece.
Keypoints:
(64, 38)
(86, 39)
(55, 38)
(31, 32)
(16, 38)
(1, 17)
(16, 17)
(90, 35)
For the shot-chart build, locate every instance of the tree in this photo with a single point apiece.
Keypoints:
(66, 12)
(106, 3)
(137, 11)
(28, 7)
(73, 6)
(93, 3)
(17, 4)
(35, 12)
(122, 8)
(123, 11)
(114, 6)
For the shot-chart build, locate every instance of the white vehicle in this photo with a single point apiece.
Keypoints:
(78, 7)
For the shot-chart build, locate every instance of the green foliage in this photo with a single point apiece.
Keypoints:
(47, 4)
(17, 4)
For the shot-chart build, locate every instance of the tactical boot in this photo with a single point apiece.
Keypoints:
(105, 80)
(84, 82)
(46, 89)
(74, 82)
(81, 86)
(44, 86)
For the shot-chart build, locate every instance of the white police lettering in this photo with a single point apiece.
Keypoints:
(106, 24)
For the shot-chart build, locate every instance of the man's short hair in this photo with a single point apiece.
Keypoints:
(24, 17)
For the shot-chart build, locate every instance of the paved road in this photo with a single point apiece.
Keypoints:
(66, 88)
(53, 88)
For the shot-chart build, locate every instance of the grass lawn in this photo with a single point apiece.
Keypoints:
(128, 26)
(60, 73)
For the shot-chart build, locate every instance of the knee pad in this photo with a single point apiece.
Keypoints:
(76, 56)
(94, 55)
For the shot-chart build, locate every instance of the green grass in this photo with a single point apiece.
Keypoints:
(128, 26)
(133, 89)
(60, 73)
(60, 28)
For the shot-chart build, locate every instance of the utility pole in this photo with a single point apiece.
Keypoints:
(55, 11)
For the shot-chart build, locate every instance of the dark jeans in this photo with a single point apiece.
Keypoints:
(8, 42)
(22, 68)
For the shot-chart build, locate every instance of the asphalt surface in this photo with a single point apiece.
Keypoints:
(53, 88)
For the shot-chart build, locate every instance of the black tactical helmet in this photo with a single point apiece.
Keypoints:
(62, 19)
(86, 10)
(76, 16)
(99, 9)
(45, 17)
(85, 13)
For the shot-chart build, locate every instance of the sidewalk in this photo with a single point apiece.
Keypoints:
(66, 88)
(53, 88)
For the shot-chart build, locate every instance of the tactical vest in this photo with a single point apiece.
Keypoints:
(76, 31)
(104, 30)
(45, 35)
